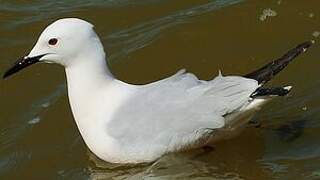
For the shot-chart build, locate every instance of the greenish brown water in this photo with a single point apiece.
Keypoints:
(147, 40)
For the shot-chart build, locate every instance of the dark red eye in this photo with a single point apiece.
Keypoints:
(53, 41)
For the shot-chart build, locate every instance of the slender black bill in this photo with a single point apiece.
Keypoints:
(22, 63)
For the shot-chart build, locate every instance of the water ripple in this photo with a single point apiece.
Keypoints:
(42, 10)
(12, 135)
(129, 40)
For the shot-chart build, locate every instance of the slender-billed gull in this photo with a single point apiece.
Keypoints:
(126, 123)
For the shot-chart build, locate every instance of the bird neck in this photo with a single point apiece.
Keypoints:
(90, 72)
(88, 76)
(93, 95)
(89, 69)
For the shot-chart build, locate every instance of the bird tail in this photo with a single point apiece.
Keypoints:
(273, 91)
(267, 72)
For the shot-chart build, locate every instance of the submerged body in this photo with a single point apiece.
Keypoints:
(125, 123)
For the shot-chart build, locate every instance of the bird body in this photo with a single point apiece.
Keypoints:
(177, 113)
(126, 123)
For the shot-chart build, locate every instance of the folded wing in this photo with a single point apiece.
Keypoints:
(179, 111)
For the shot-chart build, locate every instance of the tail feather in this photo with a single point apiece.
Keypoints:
(273, 91)
(268, 71)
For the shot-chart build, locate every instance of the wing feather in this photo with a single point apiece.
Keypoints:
(179, 110)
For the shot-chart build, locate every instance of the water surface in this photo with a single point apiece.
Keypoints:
(148, 40)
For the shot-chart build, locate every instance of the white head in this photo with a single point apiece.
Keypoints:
(63, 42)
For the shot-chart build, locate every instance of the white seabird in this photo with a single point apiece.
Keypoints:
(126, 123)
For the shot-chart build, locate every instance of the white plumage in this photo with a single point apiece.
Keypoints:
(125, 123)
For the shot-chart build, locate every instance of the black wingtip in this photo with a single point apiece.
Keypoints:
(4, 76)
(303, 46)
(268, 71)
